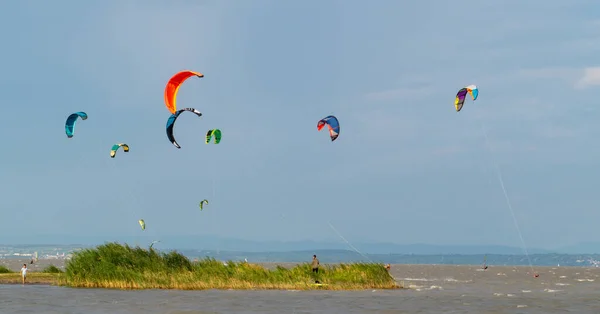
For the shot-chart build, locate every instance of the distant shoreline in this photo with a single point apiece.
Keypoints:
(336, 257)
(400, 272)
(36, 277)
(16, 264)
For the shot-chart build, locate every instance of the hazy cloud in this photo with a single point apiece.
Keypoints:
(590, 77)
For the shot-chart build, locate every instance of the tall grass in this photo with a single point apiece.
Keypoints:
(113, 265)
(51, 269)
(4, 270)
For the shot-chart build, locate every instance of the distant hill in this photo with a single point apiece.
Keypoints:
(421, 249)
(302, 251)
(581, 248)
(345, 256)
(211, 243)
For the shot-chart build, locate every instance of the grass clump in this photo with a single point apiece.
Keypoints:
(113, 265)
(4, 270)
(51, 269)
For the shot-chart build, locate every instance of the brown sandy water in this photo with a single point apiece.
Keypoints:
(433, 289)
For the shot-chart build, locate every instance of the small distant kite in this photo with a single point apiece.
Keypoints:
(202, 204)
(217, 135)
(70, 124)
(462, 94)
(171, 123)
(333, 124)
(142, 224)
(113, 151)
(173, 87)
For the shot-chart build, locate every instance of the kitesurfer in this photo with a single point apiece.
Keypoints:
(315, 264)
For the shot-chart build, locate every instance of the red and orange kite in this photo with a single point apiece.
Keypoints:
(173, 86)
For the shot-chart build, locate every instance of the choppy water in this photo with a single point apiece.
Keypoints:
(434, 289)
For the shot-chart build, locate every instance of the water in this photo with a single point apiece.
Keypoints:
(434, 289)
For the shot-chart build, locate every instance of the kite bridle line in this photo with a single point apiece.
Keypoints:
(132, 215)
(80, 159)
(349, 244)
(506, 197)
(152, 231)
(211, 201)
(215, 213)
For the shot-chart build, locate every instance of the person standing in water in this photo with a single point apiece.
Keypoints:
(24, 272)
(315, 264)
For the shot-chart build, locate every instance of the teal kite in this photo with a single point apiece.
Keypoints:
(70, 124)
(113, 150)
(171, 123)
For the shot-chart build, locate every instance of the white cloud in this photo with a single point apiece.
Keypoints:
(591, 77)
(564, 73)
(578, 78)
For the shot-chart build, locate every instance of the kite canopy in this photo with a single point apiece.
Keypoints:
(462, 94)
(217, 135)
(113, 151)
(202, 204)
(70, 124)
(333, 124)
(142, 224)
(171, 123)
(173, 87)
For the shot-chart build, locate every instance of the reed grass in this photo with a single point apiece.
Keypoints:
(113, 265)
(51, 269)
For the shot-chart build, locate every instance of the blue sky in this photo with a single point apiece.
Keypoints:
(406, 168)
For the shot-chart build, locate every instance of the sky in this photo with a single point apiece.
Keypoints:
(406, 168)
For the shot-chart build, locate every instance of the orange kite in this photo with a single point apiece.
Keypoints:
(173, 87)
